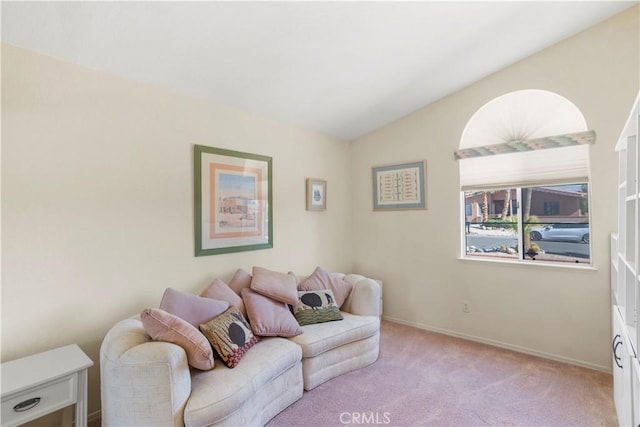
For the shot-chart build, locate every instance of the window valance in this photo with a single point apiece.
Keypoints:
(557, 141)
(541, 138)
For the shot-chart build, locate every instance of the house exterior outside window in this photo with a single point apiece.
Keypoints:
(534, 233)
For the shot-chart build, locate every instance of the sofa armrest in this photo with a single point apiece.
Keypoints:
(365, 297)
(143, 382)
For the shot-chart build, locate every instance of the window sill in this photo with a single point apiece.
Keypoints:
(532, 264)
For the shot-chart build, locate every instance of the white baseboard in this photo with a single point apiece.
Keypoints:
(504, 345)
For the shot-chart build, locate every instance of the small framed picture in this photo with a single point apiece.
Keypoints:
(316, 194)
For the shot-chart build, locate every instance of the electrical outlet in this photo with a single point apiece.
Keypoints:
(466, 307)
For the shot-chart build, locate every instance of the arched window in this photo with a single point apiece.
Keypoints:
(524, 176)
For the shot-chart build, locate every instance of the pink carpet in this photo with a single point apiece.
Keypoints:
(426, 379)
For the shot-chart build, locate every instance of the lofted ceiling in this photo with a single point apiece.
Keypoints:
(338, 68)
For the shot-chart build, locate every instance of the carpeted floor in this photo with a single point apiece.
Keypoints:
(427, 379)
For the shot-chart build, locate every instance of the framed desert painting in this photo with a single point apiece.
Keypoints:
(232, 201)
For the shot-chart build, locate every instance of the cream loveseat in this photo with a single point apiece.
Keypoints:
(150, 383)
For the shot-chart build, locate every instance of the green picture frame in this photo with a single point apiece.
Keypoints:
(400, 186)
(233, 201)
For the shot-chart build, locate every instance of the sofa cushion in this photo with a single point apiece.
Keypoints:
(322, 279)
(221, 291)
(322, 337)
(192, 308)
(163, 326)
(217, 394)
(230, 335)
(346, 358)
(278, 286)
(268, 317)
(316, 307)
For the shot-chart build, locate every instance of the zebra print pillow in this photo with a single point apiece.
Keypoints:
(316, 307)
(230, 335)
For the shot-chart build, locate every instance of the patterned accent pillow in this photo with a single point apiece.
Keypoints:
(230, 335)
(321, 279)
(316, 307)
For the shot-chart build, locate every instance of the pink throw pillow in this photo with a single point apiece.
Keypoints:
(192, 308)
(221, 291)
(278, 286)
(322, 279)
(269, 317)
(299, 279)
(240, 280)
(163, 326)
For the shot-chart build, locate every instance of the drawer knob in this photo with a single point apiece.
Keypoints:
(27, 404)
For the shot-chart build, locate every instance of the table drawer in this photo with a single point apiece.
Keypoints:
(28, 405)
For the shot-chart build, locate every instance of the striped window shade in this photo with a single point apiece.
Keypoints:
(524, 138)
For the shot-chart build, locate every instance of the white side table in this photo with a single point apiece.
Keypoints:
(42, 383)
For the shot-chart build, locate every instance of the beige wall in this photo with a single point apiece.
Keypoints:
(97, 216)
(97, 201)
(561, 313)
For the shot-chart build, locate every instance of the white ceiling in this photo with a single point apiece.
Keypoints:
(339, 68)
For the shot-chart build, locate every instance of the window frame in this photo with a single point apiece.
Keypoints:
(520, 259)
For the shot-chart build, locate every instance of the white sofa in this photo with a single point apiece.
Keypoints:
(149, 383)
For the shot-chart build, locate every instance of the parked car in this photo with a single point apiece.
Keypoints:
(574, 232)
